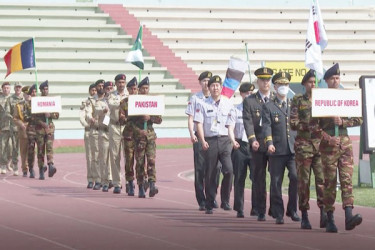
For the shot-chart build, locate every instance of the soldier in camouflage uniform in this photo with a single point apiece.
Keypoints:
(307, 153)
(30, 131)
(19, 120)
(145, 146)
(127, 134)
(86, 137)
(14, 100)
(337, 154)
(6, 127)
(45, 130)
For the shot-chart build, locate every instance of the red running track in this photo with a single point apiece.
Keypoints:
(60, 213)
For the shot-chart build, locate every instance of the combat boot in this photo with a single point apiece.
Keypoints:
(153, 189)
(32, 173)
(146, 185)
(141, 193)
(323, 218)
(3, 170)
(330, 227)
(351, 221)
(130, 188)
(41, 172)
(305, 223)
(51, 170)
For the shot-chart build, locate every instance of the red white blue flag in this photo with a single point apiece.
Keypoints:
(316, 40)
(235, 72)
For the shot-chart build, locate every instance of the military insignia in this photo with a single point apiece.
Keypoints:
(257, 113)
(209, 74)
(217, 79)
(276, 117)
(265, 70)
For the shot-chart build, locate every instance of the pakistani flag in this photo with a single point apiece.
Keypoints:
(135, 55)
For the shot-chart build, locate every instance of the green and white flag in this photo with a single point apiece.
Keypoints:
(135, 55)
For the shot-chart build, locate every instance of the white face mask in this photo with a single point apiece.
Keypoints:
(283, 90)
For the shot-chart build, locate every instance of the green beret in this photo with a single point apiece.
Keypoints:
(334, 70)
(308, 75)
(213, 79)
(206, 74)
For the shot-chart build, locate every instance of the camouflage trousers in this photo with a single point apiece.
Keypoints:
(129, 158)
(6, 145)
(44, 142)
(145, 150)
(308, 158)
(31, 138)
(337, 157)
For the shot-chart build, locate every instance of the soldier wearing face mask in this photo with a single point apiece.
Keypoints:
(280, 146)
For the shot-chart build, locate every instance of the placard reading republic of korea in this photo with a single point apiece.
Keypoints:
(146, 105)
(336, 102)
(45, 104)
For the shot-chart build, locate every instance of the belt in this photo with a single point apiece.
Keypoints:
(217, 136)
(342, 132)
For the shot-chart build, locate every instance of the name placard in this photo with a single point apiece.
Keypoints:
(45, 104)
(146, 105)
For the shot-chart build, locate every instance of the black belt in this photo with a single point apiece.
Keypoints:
(217, 136)
(342, 132)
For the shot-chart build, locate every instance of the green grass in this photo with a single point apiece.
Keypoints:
(363, 196)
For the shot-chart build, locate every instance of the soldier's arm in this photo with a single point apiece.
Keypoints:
(55, 115)
(266, 125)
(82, 115)
(156, 119)
(351, 122)
(294, 118)
(248, 121)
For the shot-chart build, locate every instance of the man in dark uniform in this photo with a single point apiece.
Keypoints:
(280, 145)
(252, 114)
(241, 156)
(337, 154)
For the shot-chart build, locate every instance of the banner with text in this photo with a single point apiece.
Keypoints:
(146, 105)
(45, 104)
(296, 69)
(336, 102)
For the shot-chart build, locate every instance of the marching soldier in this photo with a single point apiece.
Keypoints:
(145, 146)
(280, 145)
(6, 127)
(307, 152)
(45, 130)
(211, 118)
(129, 143)
(95, 128)
(30, 131)
(19, 120)
(337, 154)
(241, 157)
(86, 137)
(115, 130)
(252, 114)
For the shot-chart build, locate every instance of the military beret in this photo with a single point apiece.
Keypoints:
(334, 70)
(246, 86)
(99, 82)
(133, 82)
(17, 84)
(5, 83)
(308, 75)
(108, 84)
(92, 86)
(145, 81)
(43, 85)
(31, 89)
(215, 78)
(120, 77)
(206, 74)
(264, 73)
(25, 89)
(281, 78)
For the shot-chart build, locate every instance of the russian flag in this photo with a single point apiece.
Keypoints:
(20, 56)
(233, 77)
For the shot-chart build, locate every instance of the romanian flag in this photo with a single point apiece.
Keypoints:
(235, 72)
(20, 57)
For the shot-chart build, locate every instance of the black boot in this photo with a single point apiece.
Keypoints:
(323, 218)
(141, 193)
(351, 221)
(153, 189)
(51, 170)
(305, 223)
(32, 173)
(130, 188)
(331, 227)
(41, 172)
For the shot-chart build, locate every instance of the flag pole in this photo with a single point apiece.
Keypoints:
(35, 68)
(248, 63)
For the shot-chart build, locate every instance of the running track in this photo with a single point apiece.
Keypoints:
(60, 213)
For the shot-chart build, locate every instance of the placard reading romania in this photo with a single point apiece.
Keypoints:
(336, 102)
(146, 105)
(45, 104)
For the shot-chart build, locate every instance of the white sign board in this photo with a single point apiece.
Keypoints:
(336, 102)
(45, 104)
(146, 105)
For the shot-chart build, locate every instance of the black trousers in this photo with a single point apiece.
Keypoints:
(220, 149)
(260, 162)
(277, 168)
(199, 173)
(241, 160)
